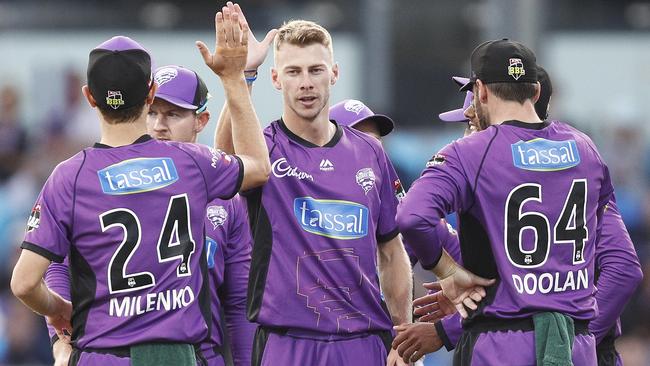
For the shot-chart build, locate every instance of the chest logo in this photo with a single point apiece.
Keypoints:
(366, 179)
(281, 169)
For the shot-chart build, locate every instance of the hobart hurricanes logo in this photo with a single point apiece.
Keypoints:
(331, 218)
(545, 155)
(114, 99)
(137, 175)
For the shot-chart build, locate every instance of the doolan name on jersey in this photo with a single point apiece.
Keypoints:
(544, 283)
(156, 301)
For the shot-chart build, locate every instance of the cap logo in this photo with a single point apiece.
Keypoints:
(165, 75)
(516, 68)
(114, 99)
(354, 106)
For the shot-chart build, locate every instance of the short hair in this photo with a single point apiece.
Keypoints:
(303, 33)
(517, 92)
(116, 116)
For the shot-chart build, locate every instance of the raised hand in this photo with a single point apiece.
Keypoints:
(416, 340)
(434, 305)
(231, 49)
(257, 50)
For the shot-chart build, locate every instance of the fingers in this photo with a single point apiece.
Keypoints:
(470, 303)
(427, 309)
(227, 22)
(474, 295)
(482, 281)
(431, 317)
(236, 30)
(461, 310)
(270, 36)
(411, 354)
(435, 286)
(220, 29)
(401, 327)
(406, 344)
(244, 34)
(203, 49)
(425, 300)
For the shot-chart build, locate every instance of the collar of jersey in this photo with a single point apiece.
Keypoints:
(141, 139)
(531, 126)
(335, 139)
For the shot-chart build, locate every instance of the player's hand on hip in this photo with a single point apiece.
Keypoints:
(462, 287)
(415, 340)
(433, 306)
(61, 351)
(231, 49)
(257, 50)
(61, 318)
(394, 359)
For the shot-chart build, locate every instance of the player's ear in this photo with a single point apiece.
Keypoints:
(201, 121)
(538, 92)
(152, 94)
(274, 79)
(335, 73)
(89, 97)
(481, 91)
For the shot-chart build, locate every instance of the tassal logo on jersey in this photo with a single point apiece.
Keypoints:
(545, 155)
(137, 175)
(331, 218)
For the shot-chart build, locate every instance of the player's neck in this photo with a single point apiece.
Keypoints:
(508, 111)
(318, 131)
(122, 134)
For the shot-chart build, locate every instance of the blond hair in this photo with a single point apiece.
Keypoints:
(303, 33)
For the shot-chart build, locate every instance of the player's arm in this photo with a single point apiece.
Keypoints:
(61, 351)
(57, 279)
(228, 62)
(619, 268)
(237, 265)
(395, 279)
(28, 286)
(257, 52)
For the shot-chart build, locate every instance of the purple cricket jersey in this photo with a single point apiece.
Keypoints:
(317, 222)
(529, 197)
(615, 254)
(228, 246)
(130, 220)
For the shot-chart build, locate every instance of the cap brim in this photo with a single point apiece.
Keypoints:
(469, 86)
(176, 101)
(385, 123)
(461, 81)
(457, 115)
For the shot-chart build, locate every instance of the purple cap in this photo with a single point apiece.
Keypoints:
(181, 87)
(458, 115)
(119, 73)
(351, 112)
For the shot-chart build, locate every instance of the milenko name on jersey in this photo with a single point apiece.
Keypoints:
(156, 301)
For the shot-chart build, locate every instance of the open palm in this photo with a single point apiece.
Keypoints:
(231, 49)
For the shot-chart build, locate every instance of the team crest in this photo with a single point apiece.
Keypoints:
(354, 106)
(34, 220)
(516, 68)
(165, 75)
(217, 215)
(366, 179)
(114, 99)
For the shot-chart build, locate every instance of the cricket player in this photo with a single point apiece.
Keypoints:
(534, 228)
(325, 238)
(128, 213)
(617, 259)
(179, 113)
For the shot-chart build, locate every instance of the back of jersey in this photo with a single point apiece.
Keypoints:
(131, 219)
(537, 192)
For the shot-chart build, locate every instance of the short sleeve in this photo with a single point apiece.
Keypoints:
(390, 184)
(49, 224)
(223, 173)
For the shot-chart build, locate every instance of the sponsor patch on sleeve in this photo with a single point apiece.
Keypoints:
(34, 220)
(399, 190)
(437, 159)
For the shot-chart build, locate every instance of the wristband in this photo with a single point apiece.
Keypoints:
(250, 75)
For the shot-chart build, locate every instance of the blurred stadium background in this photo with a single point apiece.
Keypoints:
(397, 56)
